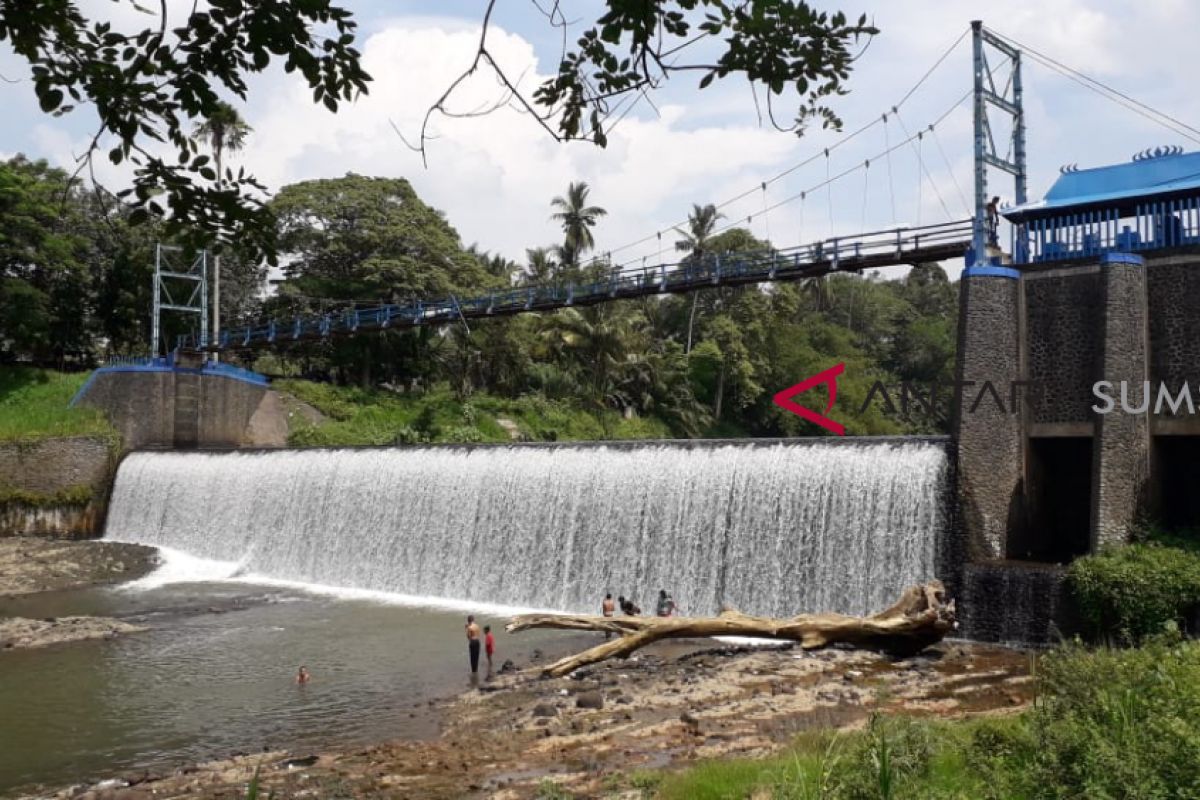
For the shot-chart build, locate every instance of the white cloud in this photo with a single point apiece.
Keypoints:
(495, 175)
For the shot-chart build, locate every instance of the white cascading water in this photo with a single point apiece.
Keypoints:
(773, 529)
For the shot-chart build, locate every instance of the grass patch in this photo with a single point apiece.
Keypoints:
(377, 417)
(79, 495)
(35, 405)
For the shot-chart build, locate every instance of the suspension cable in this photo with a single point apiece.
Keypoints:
(950, 169)
(1110, 93)
(845, 139)
(891, 184)
(834, 178)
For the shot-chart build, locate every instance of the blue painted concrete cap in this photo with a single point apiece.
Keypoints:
(1122, 258)
(991, 272)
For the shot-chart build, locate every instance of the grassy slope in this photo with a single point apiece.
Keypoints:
(35, 405)
(360, 417)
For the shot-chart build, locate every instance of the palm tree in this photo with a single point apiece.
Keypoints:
(578, 219)
(541, 265)
(225, 130)
(701, 222)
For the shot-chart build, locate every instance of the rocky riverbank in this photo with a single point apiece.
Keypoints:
(29, 564)
(670, 706)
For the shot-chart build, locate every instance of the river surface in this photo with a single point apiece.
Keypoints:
(203, 684)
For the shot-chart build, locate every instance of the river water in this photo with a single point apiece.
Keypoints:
(204, 684)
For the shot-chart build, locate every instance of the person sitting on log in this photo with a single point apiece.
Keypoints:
(666, 604)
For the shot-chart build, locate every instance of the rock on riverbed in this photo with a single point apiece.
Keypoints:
(29, 565)
(20, 633)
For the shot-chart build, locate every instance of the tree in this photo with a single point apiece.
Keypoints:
(577, 219)
(540, 265)
(369, 240)
(223, 129)
(701, 223)
(146, 84)
(634, 47)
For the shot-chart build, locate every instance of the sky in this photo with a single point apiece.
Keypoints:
(494, 176)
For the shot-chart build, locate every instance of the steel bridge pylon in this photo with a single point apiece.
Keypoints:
(178, 288)
(1009, 99)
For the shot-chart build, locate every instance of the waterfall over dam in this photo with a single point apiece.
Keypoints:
(771, 528)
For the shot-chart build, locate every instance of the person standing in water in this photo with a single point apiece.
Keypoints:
(303, 676)
(473, 643)
(608, 608)
(489, 645)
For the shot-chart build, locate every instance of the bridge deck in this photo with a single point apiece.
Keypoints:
(850, 254)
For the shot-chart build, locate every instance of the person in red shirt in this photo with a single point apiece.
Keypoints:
(489, 645)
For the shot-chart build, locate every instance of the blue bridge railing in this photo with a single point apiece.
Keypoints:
(847, 254)
(1152, 225)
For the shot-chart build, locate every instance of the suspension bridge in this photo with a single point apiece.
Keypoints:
(1040, 235)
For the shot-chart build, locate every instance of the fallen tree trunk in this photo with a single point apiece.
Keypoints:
(921, 617)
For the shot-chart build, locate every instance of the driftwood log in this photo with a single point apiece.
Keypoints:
(921, 617)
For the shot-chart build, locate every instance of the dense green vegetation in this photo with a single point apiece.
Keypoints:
(1141, 589)
(35, 404)
(75, 287)
(1106, 724)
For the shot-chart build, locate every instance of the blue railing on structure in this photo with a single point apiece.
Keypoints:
(851, 253)
(168, 364)
(1153, 225)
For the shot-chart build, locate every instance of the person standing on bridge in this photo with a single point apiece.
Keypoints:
(992, 218)
(473, 643)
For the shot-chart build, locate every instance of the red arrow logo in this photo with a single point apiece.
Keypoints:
(828, 377)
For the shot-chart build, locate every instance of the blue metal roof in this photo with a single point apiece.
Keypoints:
(1150, 174)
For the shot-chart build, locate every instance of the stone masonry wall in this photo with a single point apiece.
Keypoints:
(1173, 295)
(55, 487)
(1063, 343)
(990, 440)
(1121, 448)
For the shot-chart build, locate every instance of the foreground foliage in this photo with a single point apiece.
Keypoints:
(1140, 589)
(1107, 724)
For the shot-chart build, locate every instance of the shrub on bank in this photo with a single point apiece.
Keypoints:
(1137, 590)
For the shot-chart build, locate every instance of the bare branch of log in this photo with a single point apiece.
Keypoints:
(921, 617)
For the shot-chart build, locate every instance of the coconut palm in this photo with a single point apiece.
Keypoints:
(577, 219)
(701, 223)
(225, 130)
(541, 265)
